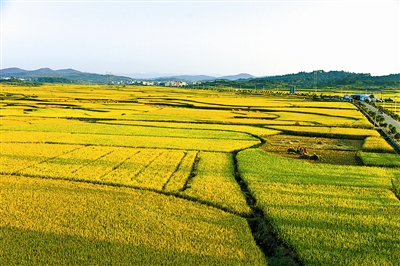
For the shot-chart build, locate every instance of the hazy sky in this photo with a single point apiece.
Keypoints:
(202, 37)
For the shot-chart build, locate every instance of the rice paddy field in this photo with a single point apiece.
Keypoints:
(95, 174)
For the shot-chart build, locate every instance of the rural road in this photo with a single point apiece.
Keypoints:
(391, 121)
(388, 119)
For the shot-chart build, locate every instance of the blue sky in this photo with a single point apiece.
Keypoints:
(202, 37)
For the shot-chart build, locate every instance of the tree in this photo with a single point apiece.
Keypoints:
(393, 129)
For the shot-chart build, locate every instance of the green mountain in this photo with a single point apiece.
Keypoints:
(319, 79)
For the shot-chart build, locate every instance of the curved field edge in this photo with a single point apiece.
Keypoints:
(328, 218)
(220, 145)
(333, 132)
(58, 222)
(127, 130)
(251, 129)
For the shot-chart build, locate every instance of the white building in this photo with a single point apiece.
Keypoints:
(361, 97)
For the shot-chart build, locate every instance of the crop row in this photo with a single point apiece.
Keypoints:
(159, 171)
(137, 167)
(215, 182)
(180, 176)
(212, 177)
(16, 157)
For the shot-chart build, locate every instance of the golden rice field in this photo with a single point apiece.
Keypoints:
(52, 222)
(95, 174)
(331, 215)
(377, 144)
(340, 132)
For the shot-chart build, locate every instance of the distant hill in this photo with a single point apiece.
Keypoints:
(74, 76)
(68, 71)
(237, 77)
(308, 80)
(142, 76)
(43, 71)
(12, 70)
(193, 78)
(334, 78)
(63, 76)
(319, 78)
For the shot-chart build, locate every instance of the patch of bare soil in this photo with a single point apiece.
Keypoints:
(328, 150)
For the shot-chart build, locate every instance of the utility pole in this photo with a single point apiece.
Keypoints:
(315, 80)
(108, 77)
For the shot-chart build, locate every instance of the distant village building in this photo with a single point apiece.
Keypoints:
(361, 97)
(347, 98)
(176, 83)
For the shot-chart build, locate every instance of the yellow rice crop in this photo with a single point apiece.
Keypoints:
(215, 182)
(52, 222)
(67, 164)
(327, 118)
(331, 215)
(162, 130)
(235, 128)
(158, 172)
(34, 137)
(180, 176)
(126, 171)
(334, 131)
(225, 145)
(377, 144)
(18, 156)
(338, 222)
(315, 209)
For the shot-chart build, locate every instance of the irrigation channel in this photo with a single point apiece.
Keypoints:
(262, 229)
